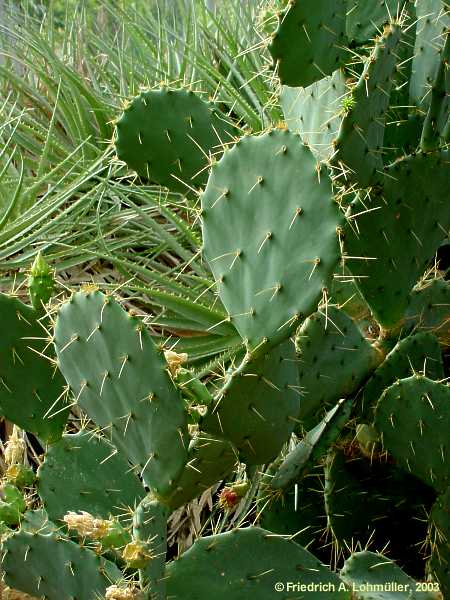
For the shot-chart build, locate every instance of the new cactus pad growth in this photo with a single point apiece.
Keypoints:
(41, 283)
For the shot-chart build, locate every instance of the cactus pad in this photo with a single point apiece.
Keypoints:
(243, 573)
(398, 233)
(150, 527)
(413, 417)
(419, 353)
(309, 43)
(119, 378)
(365, 19)
(370, 499)
(370, 574)
(360, 139)
(428, 309)
(166, 136)
(439, 538)
(315, 112)
(210, 459)
(83, 472)
(334, 359)
(432, 25)
(298, 511)
(270, 185)
(55, 568)
(258, 411)
(31, 392)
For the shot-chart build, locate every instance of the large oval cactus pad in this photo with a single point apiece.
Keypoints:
(270, 233)
(120, 379)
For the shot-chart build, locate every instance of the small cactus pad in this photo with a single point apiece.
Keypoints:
(258, 406)
(419, 353)
(413, 417)
(359, 144)
(210, 459)
(271, 186)
(313, 446)
(150, 527)
(428, 309)
(51, 567)
(31, 393)
(315, 112)
(37, 521)
(394, 235)
(41, 283)
(432, 25)
(439, 538)
(247, 563)
(119, 378)
(334, 359)
(83, 472)
(309, 43)
(365, 19)
(167, 136)
(374, 577)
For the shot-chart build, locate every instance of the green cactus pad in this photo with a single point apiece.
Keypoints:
(41, 283)
(309, 43)
(398, 232)
(20, 475)
(419, 353)
(150, 527)
(428, 309)
(401, 136)
(258, 407)
(167, 136)
(298, 511)
(269, 185)
(345, 294)
(374, 577)
(120, 379)
(247, 563)
(37, 521)
(12, 504)
(438, 112)
(367, 498)
(365, 19)
(51, 567)
(439, 538)
(413, 417)
(359, 144)
(315, 112)
(432, 24)
(31, 392)
(334, 359)
(210, 459)
(313, 446)
(83, 472)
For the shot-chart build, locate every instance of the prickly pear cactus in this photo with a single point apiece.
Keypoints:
(140, 471)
